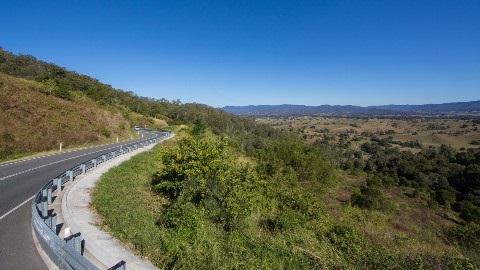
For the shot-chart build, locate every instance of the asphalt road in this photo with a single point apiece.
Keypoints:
(19, 182)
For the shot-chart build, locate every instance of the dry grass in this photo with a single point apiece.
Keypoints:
(413, 227)
(32, 121)
(148, 122)
(457, 133)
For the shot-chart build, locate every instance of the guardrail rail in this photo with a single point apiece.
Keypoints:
(67, 253)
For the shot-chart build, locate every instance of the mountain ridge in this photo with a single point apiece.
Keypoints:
(451, 108)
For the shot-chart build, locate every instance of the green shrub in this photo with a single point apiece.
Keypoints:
(467, 235)
(345, 238)
(468, 211)
(371, 196)
(201, 172)
(62, 92)
(180, 215)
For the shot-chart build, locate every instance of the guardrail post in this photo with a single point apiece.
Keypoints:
(58, 183)
(94, 162)
(103, 157)
(68, 240)
(39, 204)
(70, 174)
(51, 222)
(122, 265)
(77, 243)
(44, 207)
(83, 168)
(49, 194)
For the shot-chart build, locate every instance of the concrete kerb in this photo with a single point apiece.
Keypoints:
(77, 215)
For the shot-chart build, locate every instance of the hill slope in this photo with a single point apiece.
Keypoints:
(33, 121)
(40, 99)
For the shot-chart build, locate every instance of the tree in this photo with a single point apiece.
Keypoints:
(200, 173)
(371, 197)
(199, 127)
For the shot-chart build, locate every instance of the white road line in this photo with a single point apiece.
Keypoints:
(16, 207)
(47, 155)
(57, 153)
(45, 165)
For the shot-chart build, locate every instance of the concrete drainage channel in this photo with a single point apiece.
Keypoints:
(65, 247)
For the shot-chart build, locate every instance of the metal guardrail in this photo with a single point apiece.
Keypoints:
(67, 253)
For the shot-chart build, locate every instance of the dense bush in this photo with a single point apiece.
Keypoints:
(452, 178)
(200, 173)
(370, 196)
(288, 153)
(467, 235)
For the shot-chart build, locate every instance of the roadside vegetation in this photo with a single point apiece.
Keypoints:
(201, 202)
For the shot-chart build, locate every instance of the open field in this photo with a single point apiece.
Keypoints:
(457, 133)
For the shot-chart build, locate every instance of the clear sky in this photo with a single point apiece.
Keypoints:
(235, 52)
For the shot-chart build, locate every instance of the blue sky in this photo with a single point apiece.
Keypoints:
(260, 52)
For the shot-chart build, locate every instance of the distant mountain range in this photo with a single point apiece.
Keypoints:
(454, 108)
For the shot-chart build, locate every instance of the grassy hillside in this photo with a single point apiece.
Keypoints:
(34, 121)
(186, 205)
(69, 86)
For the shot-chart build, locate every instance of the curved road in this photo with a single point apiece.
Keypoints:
(19, 182)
